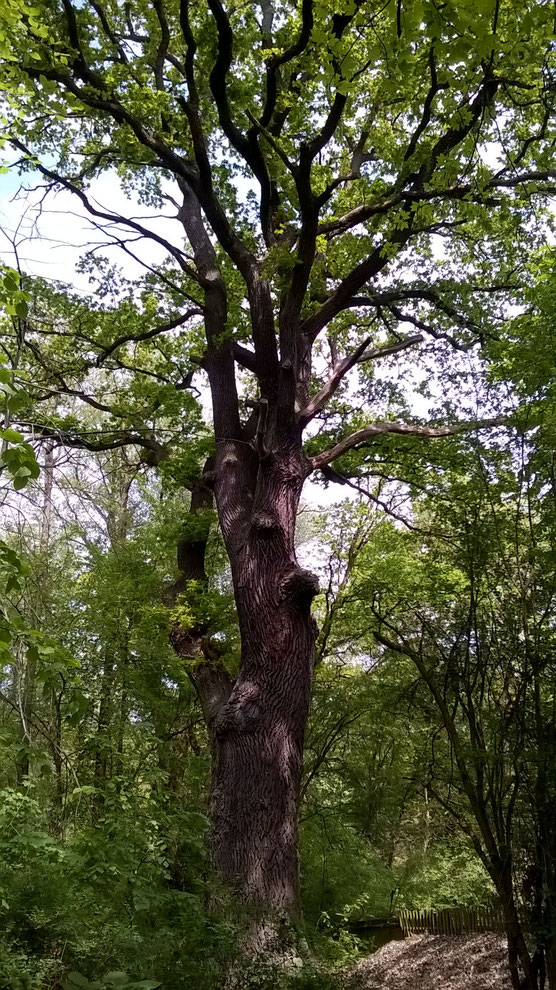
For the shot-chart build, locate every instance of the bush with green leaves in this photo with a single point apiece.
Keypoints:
(101, 904)
(17, 971)
(447, 875)
(343, 879)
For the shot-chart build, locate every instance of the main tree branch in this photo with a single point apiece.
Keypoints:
(247, 146)
(360, 437)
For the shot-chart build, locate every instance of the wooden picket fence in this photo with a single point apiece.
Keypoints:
(452, 921)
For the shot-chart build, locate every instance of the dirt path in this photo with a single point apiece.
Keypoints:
(465, 962)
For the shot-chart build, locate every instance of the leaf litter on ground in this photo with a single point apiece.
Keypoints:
(461, 962)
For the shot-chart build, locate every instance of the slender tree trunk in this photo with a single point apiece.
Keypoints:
(116, 658)
(545, 887)
(45, 579)
(57, 812)
(24, 696)
(550, 961)
(123, 710)
(102, 734)
(517, 946)
(26, 672)
(493, 849)
(549, 914)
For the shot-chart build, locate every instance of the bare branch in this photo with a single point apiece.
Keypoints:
(455, 135)
(246, 358)
(260, 435)
(101, 14)
(463, 191)
(83, 439)
(148, 335)
(435, 88)
(275, 63)
(116, 218)
(272, 142)
(360, 437)
(352, 283)
(163, 46)
(191, 48)
(325, 393)
(378, 352)
(427, 328)
(247, 146)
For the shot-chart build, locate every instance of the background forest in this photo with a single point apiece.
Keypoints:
(277, 478)
(433, 710)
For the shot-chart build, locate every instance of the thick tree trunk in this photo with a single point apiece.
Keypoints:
(257, 723)
(258, 747)
(258, 733)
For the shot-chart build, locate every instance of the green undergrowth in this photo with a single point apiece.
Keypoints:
(106, 907)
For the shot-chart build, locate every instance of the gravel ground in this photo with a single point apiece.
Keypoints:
(464, 962)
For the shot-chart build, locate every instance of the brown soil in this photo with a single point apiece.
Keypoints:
(464, 962)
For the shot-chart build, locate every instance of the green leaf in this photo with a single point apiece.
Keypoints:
(76, 979)
(20, 482)
(16, 401)
(12, 436)
(116, 978)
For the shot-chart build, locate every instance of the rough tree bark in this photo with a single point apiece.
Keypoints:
(257, 723)
(258, 732)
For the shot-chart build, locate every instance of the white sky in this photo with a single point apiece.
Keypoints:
(53, 235)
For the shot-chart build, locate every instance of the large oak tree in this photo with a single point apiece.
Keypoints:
(354, 183)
